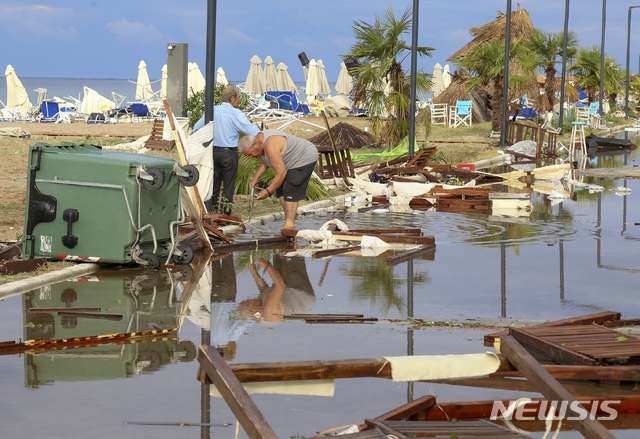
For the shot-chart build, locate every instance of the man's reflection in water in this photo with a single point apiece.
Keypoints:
(290, 293)
(226, 326)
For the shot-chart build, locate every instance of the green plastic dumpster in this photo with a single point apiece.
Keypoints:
(88, 204)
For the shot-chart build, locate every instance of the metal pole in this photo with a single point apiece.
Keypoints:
(505, 78)
(210, 80)
(414, 69)
(626, 85)
(563, 80)
(604, 20)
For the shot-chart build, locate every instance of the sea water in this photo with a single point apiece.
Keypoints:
(73, 88)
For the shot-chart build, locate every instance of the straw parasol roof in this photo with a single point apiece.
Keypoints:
(521, 27)
(344, 136)
(457, 90)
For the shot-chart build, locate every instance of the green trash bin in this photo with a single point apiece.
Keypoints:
(88, 204)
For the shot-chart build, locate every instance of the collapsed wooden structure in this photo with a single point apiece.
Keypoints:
(424, 417)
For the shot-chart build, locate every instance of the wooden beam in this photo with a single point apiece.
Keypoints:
(217, 370)
(410, 409)
(550, 387)
(312, 370)
(411, 254)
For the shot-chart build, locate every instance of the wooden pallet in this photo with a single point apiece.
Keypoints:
(155, 140)
(589, 345)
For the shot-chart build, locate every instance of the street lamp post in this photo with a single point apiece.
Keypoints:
(626, 86)
(505, 79)
(563, 80)
(604, 20)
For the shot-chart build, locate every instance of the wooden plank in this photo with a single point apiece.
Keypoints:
(550, 387)
(312, 370)
(257, 244)
(572, 372)
(388, 431)
(410, 409)
(195, 219)
(410, 254)
(334, 251)
(351, 236)
(217, 370)
(10, 251)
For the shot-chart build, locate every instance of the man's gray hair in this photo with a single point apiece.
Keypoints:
(246, 142)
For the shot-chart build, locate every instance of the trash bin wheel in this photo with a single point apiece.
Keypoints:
(192, 178)
(185, 256)
(157, 182)
(149, 260)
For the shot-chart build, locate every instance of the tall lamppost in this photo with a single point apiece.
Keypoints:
(563, 80)
(604, 20)
(505, 78)
(626, 86)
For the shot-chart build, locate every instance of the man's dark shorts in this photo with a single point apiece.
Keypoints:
(294, 186)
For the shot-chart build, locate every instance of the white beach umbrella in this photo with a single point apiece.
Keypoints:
(283, 78)
(446, 76)
(94, 102)
(255, 78)
(325, 89)
(195, 80)
(344, 84)
(270, 74)
(221, 77)
(17, 96)
(438, 86)
(163, 82)
(312, 88)
(143, 83)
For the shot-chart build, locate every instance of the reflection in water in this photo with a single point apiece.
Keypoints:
(74, 326)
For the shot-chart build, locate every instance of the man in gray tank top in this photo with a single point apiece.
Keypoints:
(293, 158)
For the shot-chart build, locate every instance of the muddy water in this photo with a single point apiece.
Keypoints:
(559, 260)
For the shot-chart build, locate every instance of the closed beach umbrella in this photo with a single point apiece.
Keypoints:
(312, 88)
(255, 78)
(195, 79)
(17, 96)
(270, 74)
(446, 76)
(283, 79)
(221, 77)
(324, 82)
(344, 84)
(143, 83)
(163, 82)
(438, 85)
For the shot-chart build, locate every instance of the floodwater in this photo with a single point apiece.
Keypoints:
(559, 260)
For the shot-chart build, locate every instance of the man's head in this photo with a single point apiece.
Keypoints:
(231, 95)
(251, 146)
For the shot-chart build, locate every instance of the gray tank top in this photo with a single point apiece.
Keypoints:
(299, 152)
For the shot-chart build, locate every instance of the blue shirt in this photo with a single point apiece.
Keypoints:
(229, 122)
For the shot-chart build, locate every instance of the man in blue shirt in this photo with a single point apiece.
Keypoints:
(229, 123)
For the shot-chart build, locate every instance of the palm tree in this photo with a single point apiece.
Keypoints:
(382, 88)
(485, 62)
(548, 50)
(587, 72)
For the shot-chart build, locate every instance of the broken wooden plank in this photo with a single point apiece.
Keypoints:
(398, 239)
(410, 254)
(10, 251)
(551, 388)
(249, 245)
(410, 409)
(334, 251)
(220, 374)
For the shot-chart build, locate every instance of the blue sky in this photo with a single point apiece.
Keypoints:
(107, 39)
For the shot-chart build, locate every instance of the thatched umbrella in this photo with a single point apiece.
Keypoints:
(521, 27)
(457, 91)
(344, 136)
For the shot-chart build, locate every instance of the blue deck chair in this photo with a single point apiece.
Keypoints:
(285, 100)
(50, 111)
(140, 111)
(460, 114)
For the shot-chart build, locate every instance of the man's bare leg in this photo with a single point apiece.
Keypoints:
(290, 209)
